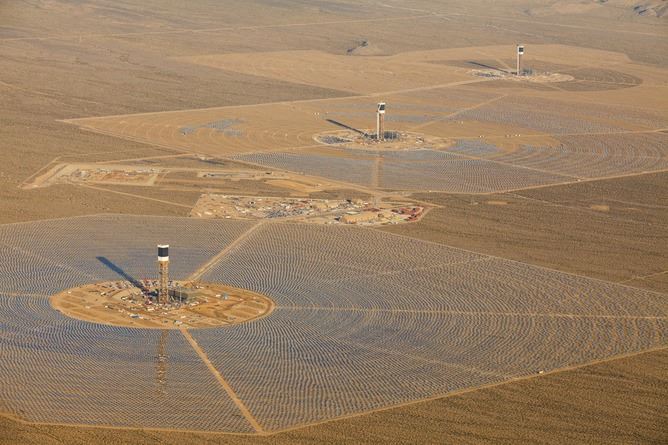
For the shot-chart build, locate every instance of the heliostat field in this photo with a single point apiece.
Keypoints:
(499, 132)
(364, 320)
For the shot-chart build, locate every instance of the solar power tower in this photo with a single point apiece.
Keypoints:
(380, 122)
(520, 53)
(163, 272)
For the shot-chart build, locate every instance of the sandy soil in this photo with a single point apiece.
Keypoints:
(557, 228)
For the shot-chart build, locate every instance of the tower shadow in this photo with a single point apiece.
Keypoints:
(482, 65)
(118, 270)
(347, 127)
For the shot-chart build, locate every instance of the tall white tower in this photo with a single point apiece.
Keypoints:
(163, 272)
(380, 122)
(520, 53)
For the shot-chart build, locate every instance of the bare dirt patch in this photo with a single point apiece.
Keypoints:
(393, 140)
(193, 305)
(600, 207)
(535, 77)
(97, 174)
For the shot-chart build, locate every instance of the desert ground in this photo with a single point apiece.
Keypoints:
(495, 271)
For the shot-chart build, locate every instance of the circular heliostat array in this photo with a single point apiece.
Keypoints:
(361, 320)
